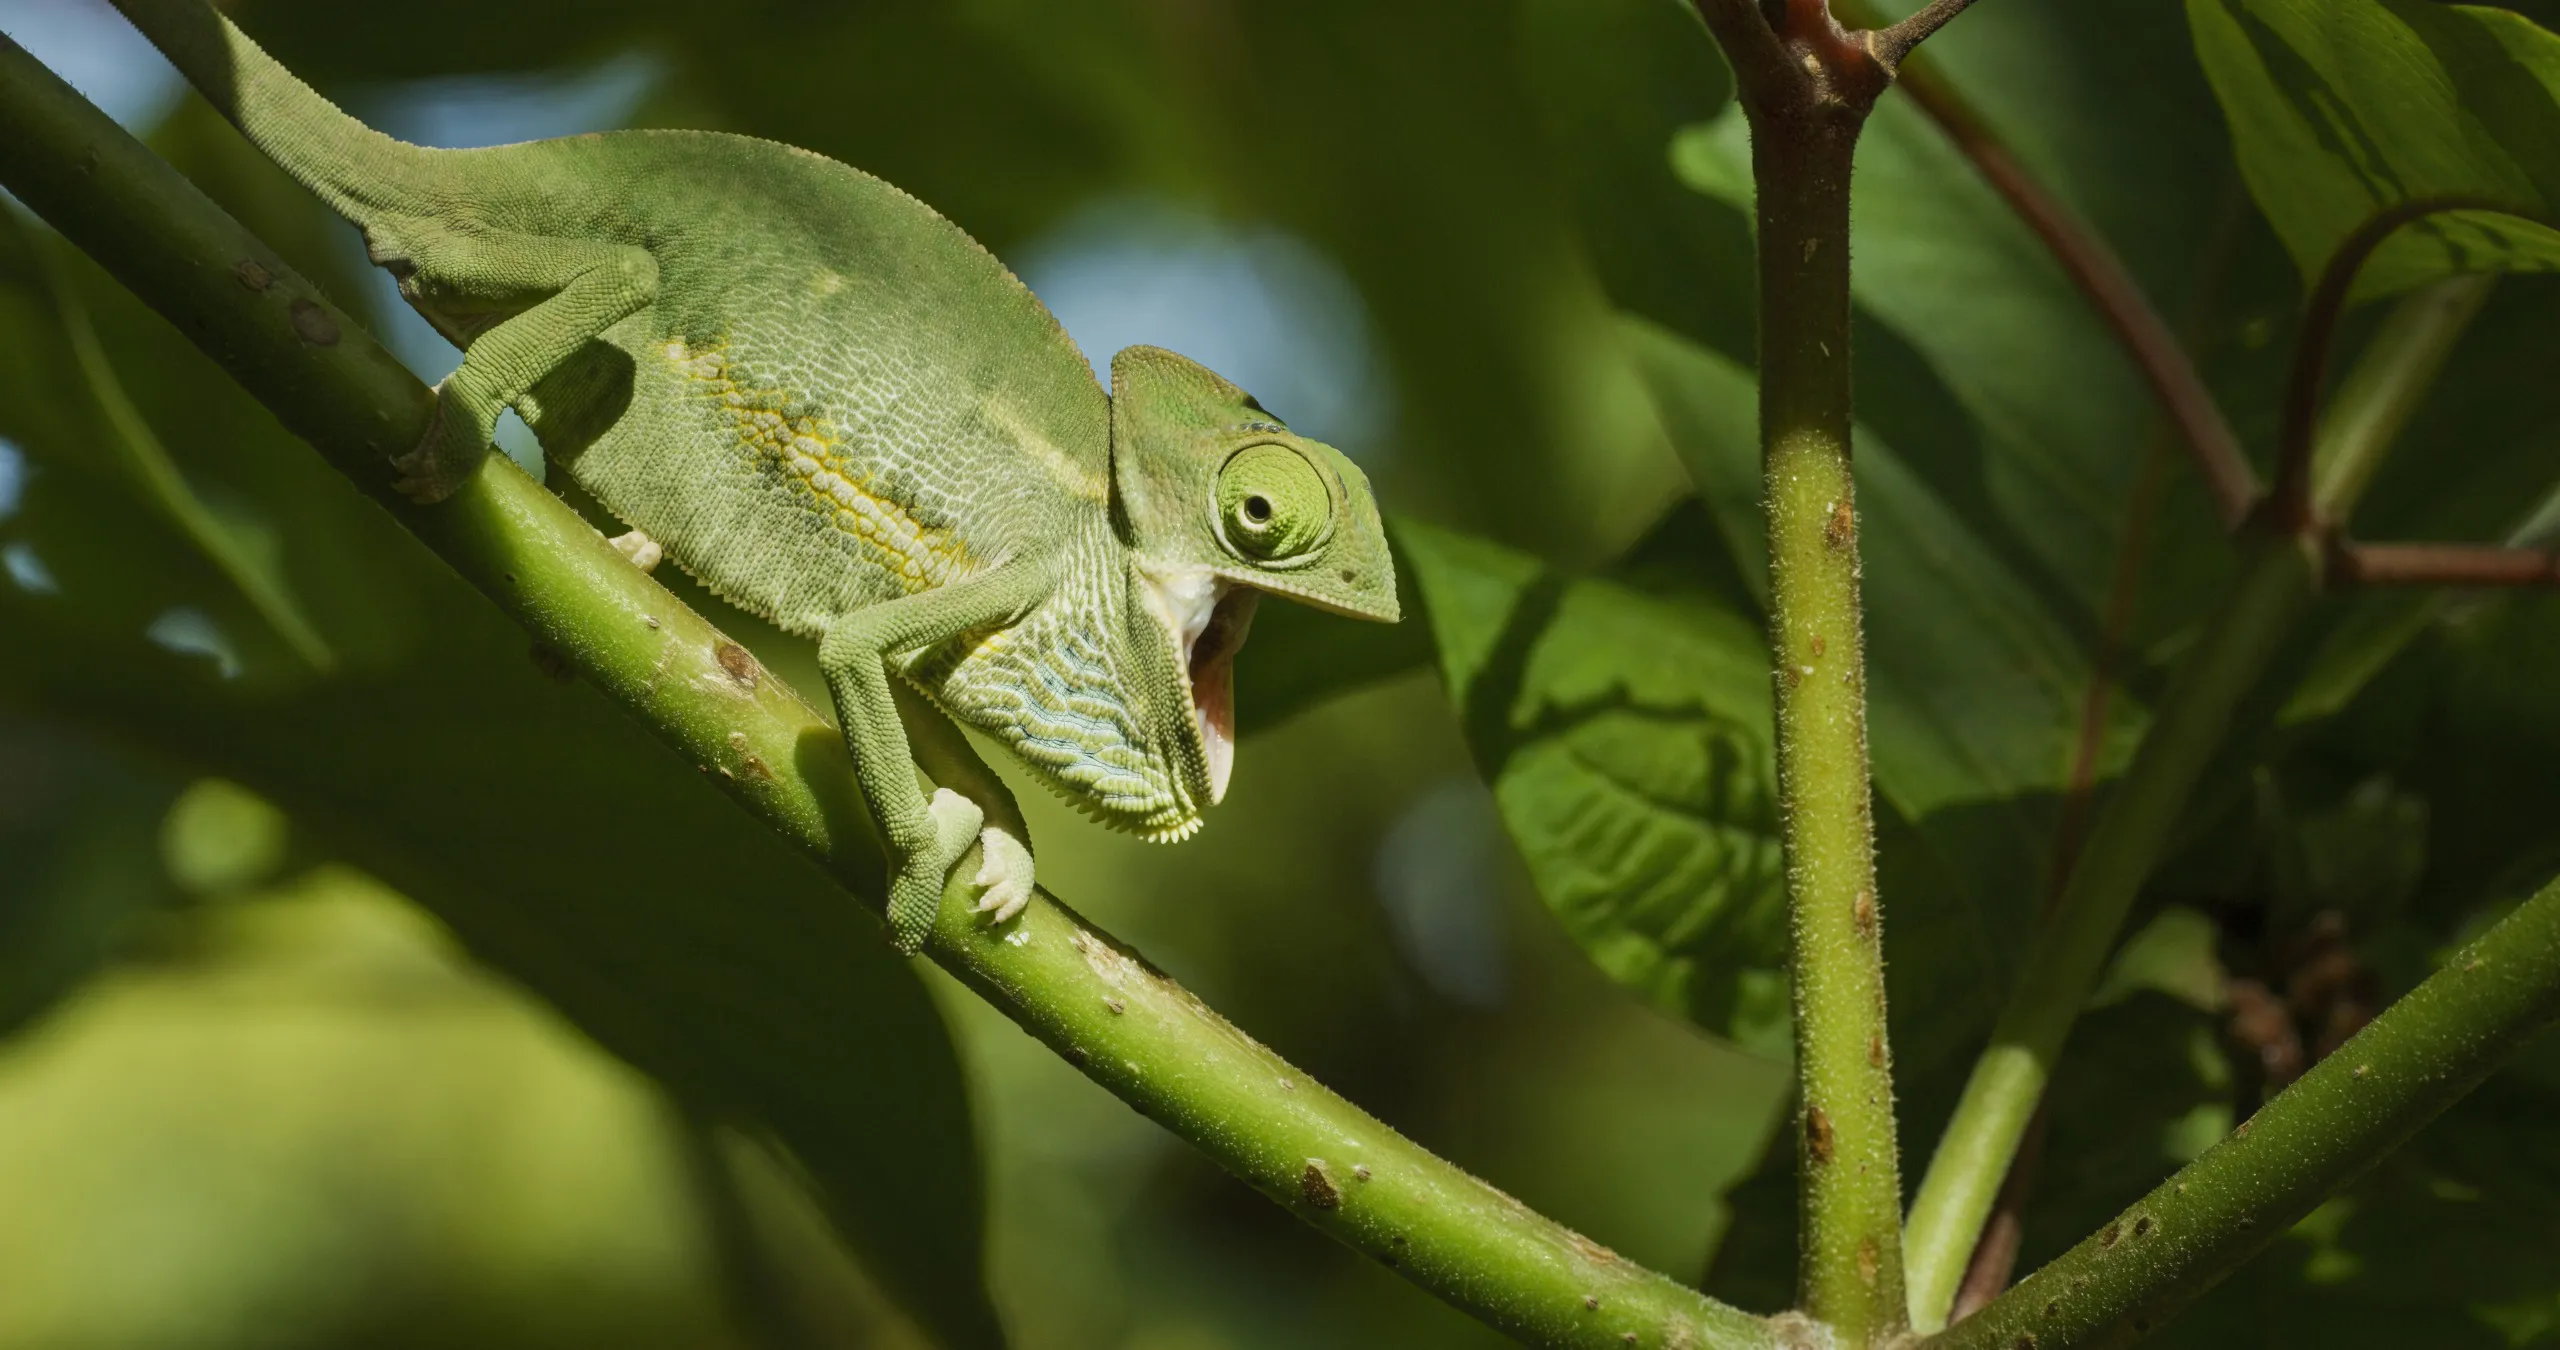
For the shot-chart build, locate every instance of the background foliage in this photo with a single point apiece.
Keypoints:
(1501, 253)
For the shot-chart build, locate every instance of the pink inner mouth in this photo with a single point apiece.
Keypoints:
(1213, 682)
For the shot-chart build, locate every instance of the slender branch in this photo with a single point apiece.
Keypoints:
(1121, 1021)
(2478, 565)
(2289, 505)
(1893, 44)
(1995, 1257)
(2111, 290)
(2373, 404)
(2279, 575)
(2357, 1105)
(148, 462)
(2274, 588)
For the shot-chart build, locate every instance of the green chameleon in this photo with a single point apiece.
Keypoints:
(837, 411)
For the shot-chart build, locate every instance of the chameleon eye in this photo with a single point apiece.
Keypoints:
(1272, 504)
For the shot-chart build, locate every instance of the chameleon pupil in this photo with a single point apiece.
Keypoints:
(1257, 509)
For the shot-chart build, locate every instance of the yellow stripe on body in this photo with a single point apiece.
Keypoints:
(805, 452)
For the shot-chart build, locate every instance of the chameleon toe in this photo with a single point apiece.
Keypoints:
(1004, 868)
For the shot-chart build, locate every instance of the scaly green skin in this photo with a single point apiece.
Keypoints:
(840, 413)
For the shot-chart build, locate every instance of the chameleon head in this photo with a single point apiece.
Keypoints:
(1221, 503)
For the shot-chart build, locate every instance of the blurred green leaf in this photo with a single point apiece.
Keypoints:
(219, 836)
(1627, 739)
(2341, 109)
(303, 1122)
(555, 837)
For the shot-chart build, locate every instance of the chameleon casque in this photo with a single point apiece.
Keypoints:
(837, 411)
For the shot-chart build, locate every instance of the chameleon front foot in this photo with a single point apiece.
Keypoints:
(1004, 868)
(444, 458)
(916, 880)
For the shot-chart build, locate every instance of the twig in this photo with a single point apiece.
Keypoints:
(1891, 45)
(1995, 1257)
(2273, 590)
(2477, 565)
(2399, 365)
(2419, 1057)
(2146, 337)
(2289, 506)
(1125, 1024)
(2279, 573)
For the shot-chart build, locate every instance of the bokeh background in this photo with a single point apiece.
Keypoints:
(254, 1093)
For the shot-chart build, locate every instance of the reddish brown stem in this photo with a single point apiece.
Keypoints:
(2111, 290)
(2441, 565)
(2288, 506)
(1891, 45)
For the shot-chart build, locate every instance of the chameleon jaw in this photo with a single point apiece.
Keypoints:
(1207, 617)
(1212, 670)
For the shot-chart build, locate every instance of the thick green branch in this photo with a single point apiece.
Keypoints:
(2279, 577)
(1850, 1190)
(1125, 1024)
(2357, 1105)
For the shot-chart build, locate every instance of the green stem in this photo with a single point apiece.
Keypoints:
(2274, 589)
(2351, 1109)
(2371, 405)
(2278, 579)
(158, 476)
(1850, 1275)
(1122, 1022)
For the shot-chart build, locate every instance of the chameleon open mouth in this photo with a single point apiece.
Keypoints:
(1213, 680)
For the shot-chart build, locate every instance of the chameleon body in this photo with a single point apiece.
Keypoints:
(837, 411)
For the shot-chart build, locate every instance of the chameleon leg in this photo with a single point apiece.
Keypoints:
(924, 838)
(1004, 842)
(556, 295)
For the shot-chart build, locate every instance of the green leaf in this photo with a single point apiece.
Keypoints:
(2341, 109)
(1627, 738)
(1976, 688)
(559, 841)
(1979, 360)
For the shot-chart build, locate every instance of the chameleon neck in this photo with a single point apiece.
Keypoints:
(1087, 689)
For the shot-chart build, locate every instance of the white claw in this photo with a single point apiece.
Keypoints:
(1005, 870)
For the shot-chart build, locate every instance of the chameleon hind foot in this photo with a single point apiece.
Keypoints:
(1004, 868)
(916, 880)
(444, 458)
